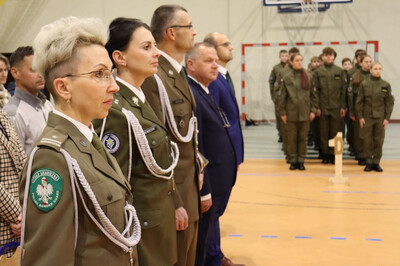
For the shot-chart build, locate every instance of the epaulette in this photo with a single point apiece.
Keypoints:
(53, 139)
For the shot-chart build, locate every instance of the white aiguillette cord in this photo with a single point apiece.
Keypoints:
(167, 112)
(145, 150)
(105, 224)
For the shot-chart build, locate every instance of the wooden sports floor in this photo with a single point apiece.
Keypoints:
(280, 217)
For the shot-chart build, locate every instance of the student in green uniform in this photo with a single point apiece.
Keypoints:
(75, 197)
(296, 109)
(133, 133)
(274, 81)
(374, 106)
(329, 82)
(355, 82)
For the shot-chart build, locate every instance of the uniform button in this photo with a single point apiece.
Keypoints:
(83, 143)
(109, 197)
(145, 224)
(169, 193)
(166, 138)
(153, 142)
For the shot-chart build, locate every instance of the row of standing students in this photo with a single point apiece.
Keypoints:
(323, 96)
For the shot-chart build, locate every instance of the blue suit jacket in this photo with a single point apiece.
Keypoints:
(214, 143)
(224, 98)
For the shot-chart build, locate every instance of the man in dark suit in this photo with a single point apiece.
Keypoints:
(173, 31)
(216, 145)
(223, 91)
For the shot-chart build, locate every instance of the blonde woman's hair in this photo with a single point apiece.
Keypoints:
(56, 43)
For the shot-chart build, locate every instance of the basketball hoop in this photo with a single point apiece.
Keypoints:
(309, 7)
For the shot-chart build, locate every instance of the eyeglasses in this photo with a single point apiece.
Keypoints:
(225, 44)
(5, 70)
(103, 75)
(190, 27)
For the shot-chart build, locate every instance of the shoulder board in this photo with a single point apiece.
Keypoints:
(53, 139)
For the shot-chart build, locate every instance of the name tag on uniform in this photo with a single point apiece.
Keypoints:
(177, 101)
(150, 129)
(384, 89)
(337, 77)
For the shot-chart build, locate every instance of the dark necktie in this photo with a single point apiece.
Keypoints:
(229, 79)
(3, 130)
(96, 142)
(182, 73)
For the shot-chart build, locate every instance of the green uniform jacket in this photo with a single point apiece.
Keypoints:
(275, 79)
(50, 236)
(352, 91)
(183, 106)
(293, 101)
(152, 196)
(374, 99)
(329, 82)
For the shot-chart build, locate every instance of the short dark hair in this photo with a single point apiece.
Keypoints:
(283, 52)
(329, 50)
(345, 60)
(163, 18)
(360, 52)
(294, 50)
(19, 55)
(120, 33)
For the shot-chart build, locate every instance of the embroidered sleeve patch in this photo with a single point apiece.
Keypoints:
(337, 77)
(46, 188)
(384, 89)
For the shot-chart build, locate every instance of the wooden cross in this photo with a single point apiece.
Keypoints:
(338, 144)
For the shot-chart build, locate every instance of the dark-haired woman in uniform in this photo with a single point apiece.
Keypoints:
(355, 82)
(133, 133)
(297, 109)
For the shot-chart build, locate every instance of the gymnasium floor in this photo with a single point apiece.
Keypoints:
(282, 217)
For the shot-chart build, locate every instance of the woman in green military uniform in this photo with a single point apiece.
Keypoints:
(355, 82)
(296, 109)
(133, 133)
(374, 106)
(75, 198)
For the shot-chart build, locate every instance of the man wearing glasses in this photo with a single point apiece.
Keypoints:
(173, 31)
(223, 93)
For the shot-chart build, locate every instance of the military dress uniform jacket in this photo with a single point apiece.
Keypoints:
(50, 224)
(183, 106)
(12, 159)
(293, 101)
(353, 89)
(152, 196)
(330, 84)
(374, 99)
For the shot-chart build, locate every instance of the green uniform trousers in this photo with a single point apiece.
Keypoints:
(358, 140)
(329, 126)
(296, 140)
(187, 244)
(374, 134)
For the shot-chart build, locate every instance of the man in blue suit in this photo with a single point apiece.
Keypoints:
(216, 145)
(223, 91)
